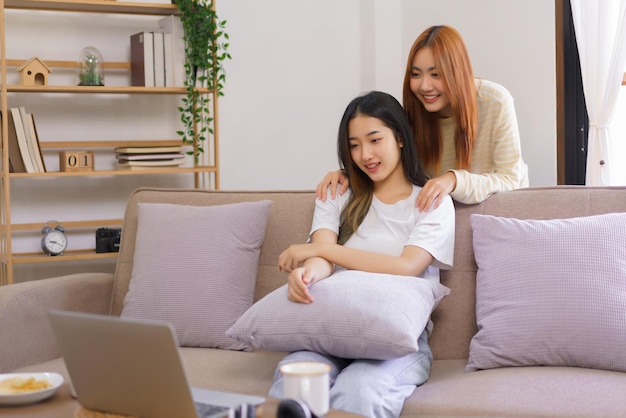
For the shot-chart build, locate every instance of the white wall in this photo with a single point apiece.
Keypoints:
(290, 80)
(295, 67)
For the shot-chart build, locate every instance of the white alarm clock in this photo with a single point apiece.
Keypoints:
(54, 240)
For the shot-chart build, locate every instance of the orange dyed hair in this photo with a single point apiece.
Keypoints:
(453, 64)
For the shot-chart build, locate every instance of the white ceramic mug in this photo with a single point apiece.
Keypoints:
(307, 381)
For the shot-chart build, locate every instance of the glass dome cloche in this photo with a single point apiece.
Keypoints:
(90, 67)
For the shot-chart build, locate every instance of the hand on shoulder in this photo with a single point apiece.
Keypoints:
(332, 179)
(435, 190)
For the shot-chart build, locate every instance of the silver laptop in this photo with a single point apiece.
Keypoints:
(133, 367)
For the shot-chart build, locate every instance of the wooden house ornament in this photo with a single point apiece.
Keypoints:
(34, 72)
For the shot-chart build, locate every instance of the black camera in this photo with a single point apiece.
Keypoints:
(108, 240)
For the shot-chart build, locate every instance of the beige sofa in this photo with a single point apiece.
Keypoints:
(27, 344)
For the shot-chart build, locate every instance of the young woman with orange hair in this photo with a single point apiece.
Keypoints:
(465, 128)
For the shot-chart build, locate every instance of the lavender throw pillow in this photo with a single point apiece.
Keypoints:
(195, 267)
(550, 292)
(355, 315)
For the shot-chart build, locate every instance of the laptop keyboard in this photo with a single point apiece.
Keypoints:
(205, 410)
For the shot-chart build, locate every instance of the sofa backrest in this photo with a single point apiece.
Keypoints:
(290, 222)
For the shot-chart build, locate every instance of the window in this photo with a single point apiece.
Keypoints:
(618, 136)
(572, 119)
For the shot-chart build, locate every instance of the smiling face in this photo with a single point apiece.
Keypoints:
(374, 149)
(427, 83)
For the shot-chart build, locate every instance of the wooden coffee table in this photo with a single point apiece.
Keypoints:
(62, 405)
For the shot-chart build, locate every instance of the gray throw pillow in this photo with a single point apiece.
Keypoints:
(354, 315)
(550, 292)
(195, 267)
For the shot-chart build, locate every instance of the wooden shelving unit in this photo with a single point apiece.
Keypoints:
(8, 229)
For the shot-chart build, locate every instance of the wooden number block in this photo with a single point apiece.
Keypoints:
(76, 161)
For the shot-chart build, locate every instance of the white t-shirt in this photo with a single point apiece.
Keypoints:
(387, 229)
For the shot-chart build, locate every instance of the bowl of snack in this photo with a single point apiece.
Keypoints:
(24, 388)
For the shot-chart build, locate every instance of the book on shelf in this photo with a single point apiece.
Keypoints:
(16, 164)
(34, 149)
(172, 26)
(23, 142)
(148, 149)
(151, 156)
(168, 58)
(142, 59)
(146, 164)
(159, 59)
(35, 145)
(27, 135)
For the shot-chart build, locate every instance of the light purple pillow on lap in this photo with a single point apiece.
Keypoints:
(195, 267)
(355, 315)
(550, 292)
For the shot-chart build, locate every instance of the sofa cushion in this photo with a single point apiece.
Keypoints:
(195, 267)
(539, 391)
(550, 292)
(354, 315)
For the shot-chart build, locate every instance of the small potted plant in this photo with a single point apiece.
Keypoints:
(90, 67)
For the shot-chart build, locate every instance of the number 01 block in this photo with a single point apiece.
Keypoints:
(76, 161)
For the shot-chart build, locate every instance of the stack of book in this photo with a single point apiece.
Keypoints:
(24, 150)
(137, 158)
(157, 59)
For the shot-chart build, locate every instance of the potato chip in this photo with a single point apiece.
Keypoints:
(20, 384)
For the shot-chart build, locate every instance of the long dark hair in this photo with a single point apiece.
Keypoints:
(453, 63)
(389, 111)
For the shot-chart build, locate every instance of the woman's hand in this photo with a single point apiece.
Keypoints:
(291, 258)
(298, 285)
(332, 179)
(305, 265)
(435, 190)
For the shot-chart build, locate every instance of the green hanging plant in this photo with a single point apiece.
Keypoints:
(206, 48)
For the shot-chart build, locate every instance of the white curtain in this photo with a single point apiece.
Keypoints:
(601, 37)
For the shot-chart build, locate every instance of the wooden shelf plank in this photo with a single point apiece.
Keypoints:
(95, 6)
(101, 89)
(69, 225)
(70, 64)
(122, 172)
(111, 144)
(72, 255)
